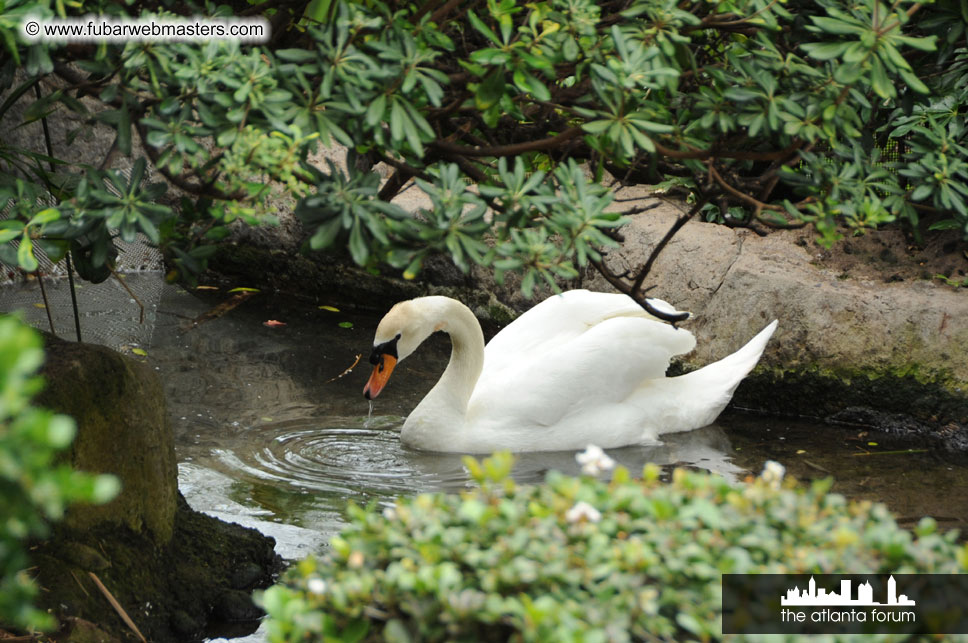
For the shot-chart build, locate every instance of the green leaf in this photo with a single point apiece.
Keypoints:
(296, 55)
(835, 26)
(413, 269)
(325, 234)
(490, 90)
(913, 82)
(227, 137)
(48, 215)
(396, 632)
(881, 84)
(527, 282)
(106, 488)
(150, 230)
(60, 431)
(892, 56)
(359, 248)
(158, 138)
(922, 192)
(826, 50)
(486, 31)
(10, 230)
(596, 127)
(847, 74)
(397, 118)
(375, 112)
(25, 254)
(650, 126)
(356, 631)
(928, 43)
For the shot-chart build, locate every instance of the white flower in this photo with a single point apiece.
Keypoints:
(316, 585)
(390, 513)
(773, 473)
(583, 511)
(593, 460)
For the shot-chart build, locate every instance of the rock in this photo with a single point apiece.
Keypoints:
(185, 625)
(83, 556)
(233, 605)
(247, 576)
(123, 428)
(77, 630)
(894, 348)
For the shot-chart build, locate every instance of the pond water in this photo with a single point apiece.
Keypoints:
(272, 430)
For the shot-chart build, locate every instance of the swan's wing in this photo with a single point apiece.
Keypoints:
(555, 321)
(600, 366)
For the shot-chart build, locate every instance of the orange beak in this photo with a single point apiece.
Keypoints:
(378, 379)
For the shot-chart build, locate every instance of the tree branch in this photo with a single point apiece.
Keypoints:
(647, 266)
(756, 203)
(740, 155)
(641, 300)
(507, 150)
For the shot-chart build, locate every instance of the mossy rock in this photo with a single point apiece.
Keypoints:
(910, 406)
(123, 429)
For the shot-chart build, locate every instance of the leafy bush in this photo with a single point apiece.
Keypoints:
(33, 487)
(767, 113)
(580, 559)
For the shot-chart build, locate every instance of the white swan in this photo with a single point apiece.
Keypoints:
(580, 367)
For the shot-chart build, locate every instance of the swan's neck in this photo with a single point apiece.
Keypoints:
(440, 417)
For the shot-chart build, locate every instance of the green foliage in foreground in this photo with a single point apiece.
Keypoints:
(580, 559)
(33, 489)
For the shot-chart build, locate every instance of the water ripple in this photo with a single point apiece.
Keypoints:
(338, 456)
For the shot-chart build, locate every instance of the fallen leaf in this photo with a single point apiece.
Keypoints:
(206, 287)
(332, 309)
(872, 444)
(346, 324)
(272, 323)
(140, 351)
(39, 305)
(800, 451)
(244, 289)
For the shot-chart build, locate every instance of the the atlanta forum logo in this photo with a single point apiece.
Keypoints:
(872, 611)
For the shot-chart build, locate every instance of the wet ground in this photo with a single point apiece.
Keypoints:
(272, 430)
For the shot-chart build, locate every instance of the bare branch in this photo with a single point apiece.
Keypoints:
(507, 150)
(647, 266)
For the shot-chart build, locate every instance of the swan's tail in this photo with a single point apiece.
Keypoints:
(710, 388)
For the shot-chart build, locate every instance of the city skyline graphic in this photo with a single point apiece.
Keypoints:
(865, 595)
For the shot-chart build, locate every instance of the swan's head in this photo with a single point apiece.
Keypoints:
(400, 331)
